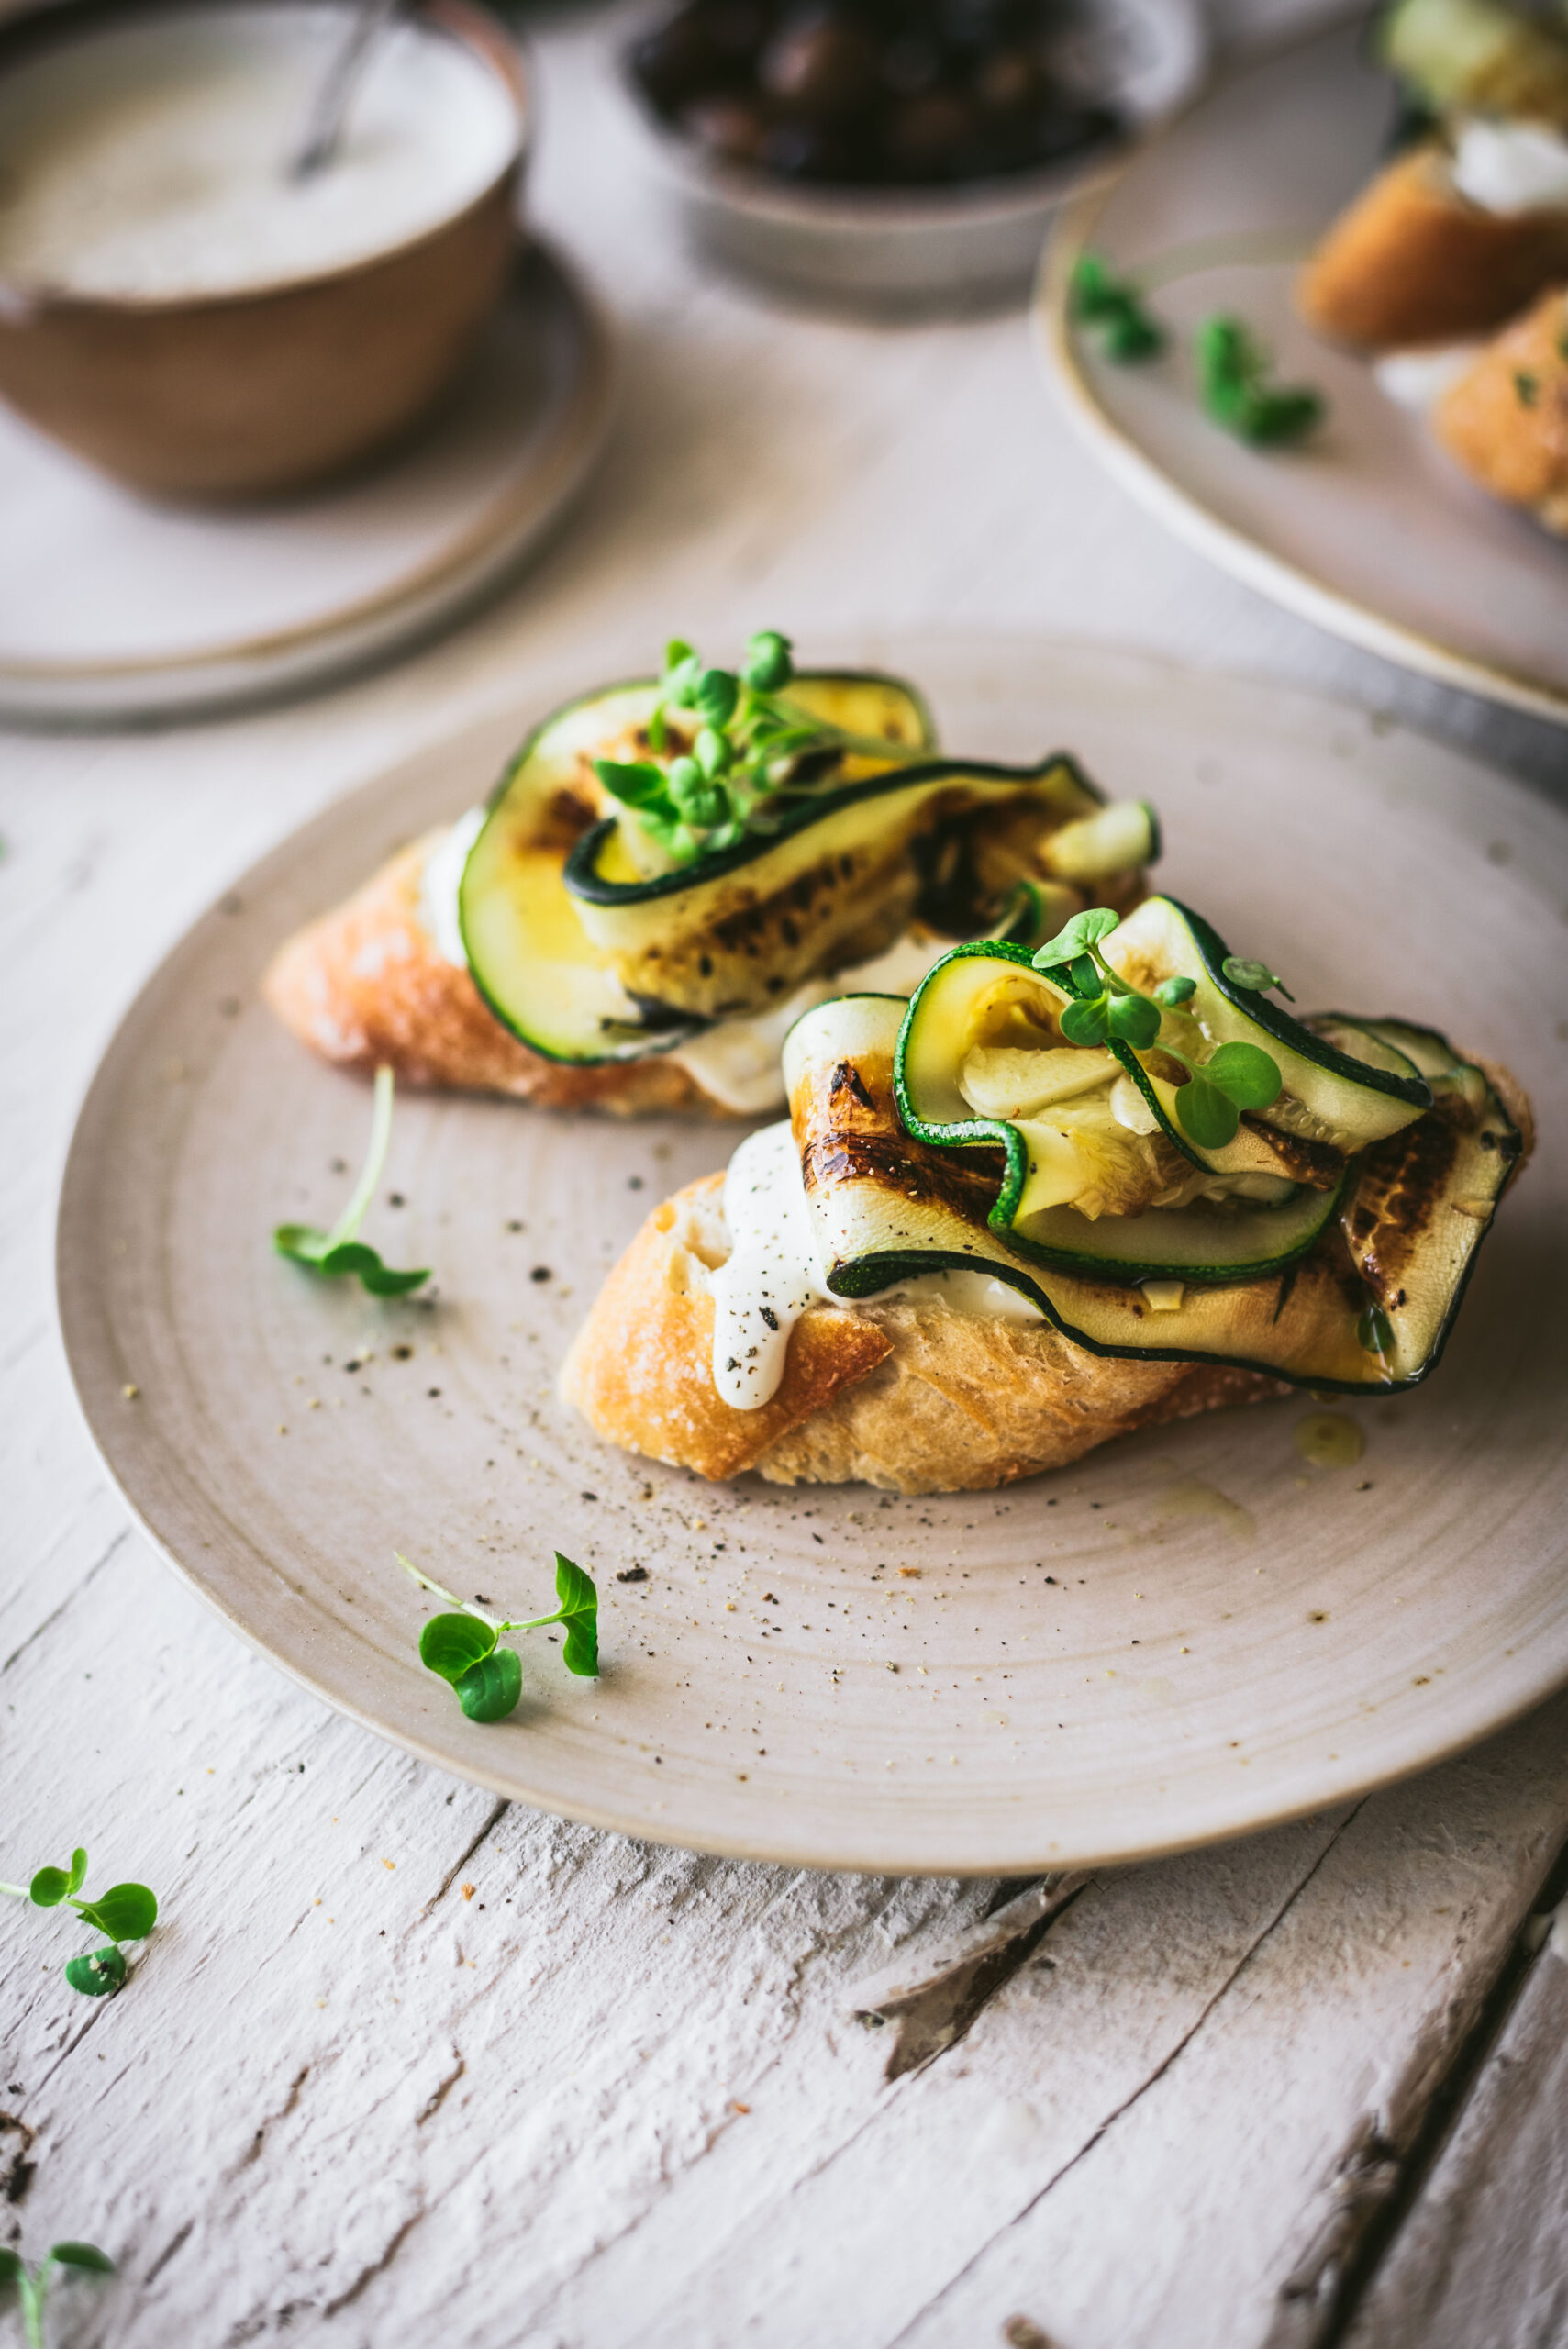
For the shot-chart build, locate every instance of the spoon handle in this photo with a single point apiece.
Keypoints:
(323, 126)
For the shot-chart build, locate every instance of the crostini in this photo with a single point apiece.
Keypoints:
(672, 869)
(1458, 233)
(1050, 1199)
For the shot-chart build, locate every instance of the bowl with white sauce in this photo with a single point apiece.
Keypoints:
(187, 313)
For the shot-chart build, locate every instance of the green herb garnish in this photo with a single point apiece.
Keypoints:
(126, 1912)
(1232, 370)
(1256, 977)
(1104, 1009)
(746, 757)
(340, 1250)
(32, 2284)
(1527, 387)
(1116, 310)
(462, 1649)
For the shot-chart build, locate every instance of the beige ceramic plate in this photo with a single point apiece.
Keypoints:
(1368, 530)
(112, 609)
(1191, 1635)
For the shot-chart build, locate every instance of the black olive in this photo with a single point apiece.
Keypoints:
(800, 148)
(678, 58)
(911, 63)
(731, 128)
(923, 137)
(1007, 79)
(822, 61)
(1058, 131)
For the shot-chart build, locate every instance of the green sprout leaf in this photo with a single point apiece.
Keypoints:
(10, 2263)
(49, 1888)
(341, 1251)
(82, 2255)
(99, 1973)
(769, 663)
(1233, 368)
(126, 1912)
(1256, 977)
(1134, 1019)
(1245, 1074)
(1116, 309)
(489, 1689)
(1206, 1115)
(1082, 933)
(488, 1679)
(1088, 1022)
(453, 1644)
(717, 692)
(579, 1611)
(637, 784)
(1173, 992)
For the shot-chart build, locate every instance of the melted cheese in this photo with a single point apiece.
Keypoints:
(1511, 167)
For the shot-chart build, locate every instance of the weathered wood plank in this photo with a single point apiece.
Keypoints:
(1480, 2257)
(344, 2102)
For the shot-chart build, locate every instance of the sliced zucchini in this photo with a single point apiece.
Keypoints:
(540, 973)
(1045, 1170)
(1402, 1238)
(837, 882)
(1330, 1097)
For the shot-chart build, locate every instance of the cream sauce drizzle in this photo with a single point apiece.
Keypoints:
(770, 1275)
(774, 1273)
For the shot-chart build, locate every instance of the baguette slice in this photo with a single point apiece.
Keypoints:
(367, 985)
(1413, 262)
(910, 1394)
(1506, 421)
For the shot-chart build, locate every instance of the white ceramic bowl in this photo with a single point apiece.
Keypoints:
(934, 247)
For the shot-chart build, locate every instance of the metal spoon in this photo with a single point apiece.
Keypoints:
(323, 125)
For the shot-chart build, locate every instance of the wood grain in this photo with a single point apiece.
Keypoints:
(515, 2117)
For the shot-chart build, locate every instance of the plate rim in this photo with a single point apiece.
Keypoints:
(512, 522)
(1187, 515)
(140, 1487)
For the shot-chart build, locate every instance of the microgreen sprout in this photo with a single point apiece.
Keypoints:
(746, 758)
(463, 1648)
(1104, 1009)
(32, 2284)
(342, 1250)
(1115, 308)
(1256, 977)
(1232, 372)
(126, 1912)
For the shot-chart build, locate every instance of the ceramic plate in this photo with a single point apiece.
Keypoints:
(1192, 1634)
(113, 608)
(1368, 530)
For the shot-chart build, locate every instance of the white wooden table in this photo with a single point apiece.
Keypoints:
(402, 2065)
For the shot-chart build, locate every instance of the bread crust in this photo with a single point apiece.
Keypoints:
(907, 1394)
(1506, 421)
(1413, 262)
(367, 986)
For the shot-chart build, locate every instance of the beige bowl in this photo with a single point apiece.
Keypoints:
(244, 394)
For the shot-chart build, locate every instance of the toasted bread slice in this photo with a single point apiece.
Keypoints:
(1506, 421)
(367, 985)
(910, 1394)
(1413, 262)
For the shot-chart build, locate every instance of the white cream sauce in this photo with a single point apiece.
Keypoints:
(1511, 167)
(1416, 379)
(148, 159)
(736, 1062)
(773, 1273)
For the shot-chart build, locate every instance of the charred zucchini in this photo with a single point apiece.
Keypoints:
(693, 848)
(1367, 1305)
